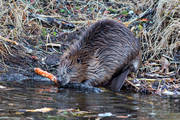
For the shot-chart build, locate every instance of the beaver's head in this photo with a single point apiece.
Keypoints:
(72, 66)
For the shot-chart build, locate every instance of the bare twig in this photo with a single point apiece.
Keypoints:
(8, 40)
(132, 84)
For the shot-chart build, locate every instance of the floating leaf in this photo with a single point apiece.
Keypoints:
(65, 112)
(2, 87)
(19, 113)
(43, 110)
(105, 114)
(56, 118)
(122, 117)
(74, 112)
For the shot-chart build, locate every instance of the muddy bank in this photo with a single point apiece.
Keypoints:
(30, 40)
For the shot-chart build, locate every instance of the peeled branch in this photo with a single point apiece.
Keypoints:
(46, 74)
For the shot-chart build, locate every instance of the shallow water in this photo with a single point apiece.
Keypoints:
(22, 101)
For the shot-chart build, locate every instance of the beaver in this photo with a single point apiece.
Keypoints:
(104, 55)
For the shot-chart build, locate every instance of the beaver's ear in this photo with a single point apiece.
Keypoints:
(79, 60)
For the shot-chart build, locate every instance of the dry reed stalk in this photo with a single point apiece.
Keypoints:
(164, 33)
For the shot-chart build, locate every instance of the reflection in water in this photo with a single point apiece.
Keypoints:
(18, 97)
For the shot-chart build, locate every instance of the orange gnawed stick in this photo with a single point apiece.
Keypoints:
(144, 20)
(46, 74)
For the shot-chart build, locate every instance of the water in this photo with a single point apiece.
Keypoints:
(28, 100)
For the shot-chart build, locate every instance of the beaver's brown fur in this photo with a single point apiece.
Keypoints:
(107, 51)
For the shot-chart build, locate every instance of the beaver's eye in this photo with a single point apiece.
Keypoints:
(78, 60)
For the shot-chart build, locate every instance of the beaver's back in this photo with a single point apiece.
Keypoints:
(111, 46)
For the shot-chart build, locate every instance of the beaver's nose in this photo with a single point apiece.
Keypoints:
(62, 81)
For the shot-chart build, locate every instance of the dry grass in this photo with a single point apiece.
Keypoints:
(16, 26)
(163, 36)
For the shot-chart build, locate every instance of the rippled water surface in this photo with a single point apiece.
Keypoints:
(36, 101)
